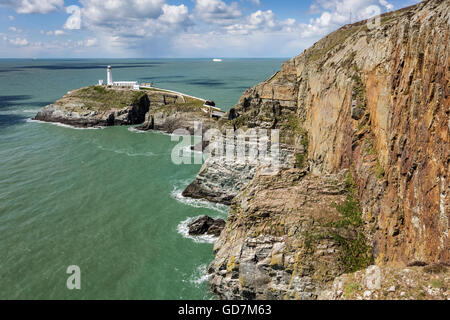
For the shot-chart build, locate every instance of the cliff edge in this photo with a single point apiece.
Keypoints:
(366, 111)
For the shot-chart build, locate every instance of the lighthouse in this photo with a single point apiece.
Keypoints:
(109, 81)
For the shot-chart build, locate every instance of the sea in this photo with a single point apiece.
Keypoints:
(105, 200)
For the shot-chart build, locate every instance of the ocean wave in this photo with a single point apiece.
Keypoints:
(134, 130)
(199, 275)
(63, 125)
(127, 152)
(183, 229)
(31, 110)
(177, 194)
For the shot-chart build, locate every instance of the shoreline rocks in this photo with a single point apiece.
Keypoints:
(206, 225)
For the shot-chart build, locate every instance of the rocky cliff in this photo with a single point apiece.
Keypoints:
(366, 107)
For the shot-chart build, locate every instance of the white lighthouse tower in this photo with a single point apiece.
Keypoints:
(109, 81)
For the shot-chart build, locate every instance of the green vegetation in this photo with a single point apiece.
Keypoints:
(292, 123)
(332, 40)
(435, 268)
(351, 213)
(379, 170)
(100, 98)
(369, 148)
(356, 254)
(350, 288)
(350, 209)
(188, 106)
(239, 121)
(300, 160)
(437, 283)
(359, 90)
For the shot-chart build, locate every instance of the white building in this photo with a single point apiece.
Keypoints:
(110, 82)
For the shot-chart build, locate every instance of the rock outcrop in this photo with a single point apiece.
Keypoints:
(220, 180)
(287, 236)
(177, 112)
(392, 283)
(370, 101)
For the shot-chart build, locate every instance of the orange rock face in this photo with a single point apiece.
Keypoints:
(375, 101)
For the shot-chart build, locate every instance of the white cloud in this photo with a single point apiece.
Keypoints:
(217, 12)
(117, 12)
(33, 6)
(18, 42)
(58, 33)
(87, 43)
(11, 18)
(74, 21)
(262, 21)
(174, 14)
(257, 2)
(14, 29)
(335, 13)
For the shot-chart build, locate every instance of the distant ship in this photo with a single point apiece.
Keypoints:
(217, 60)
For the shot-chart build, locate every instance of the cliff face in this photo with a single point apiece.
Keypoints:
(371, 101)
(376, 101)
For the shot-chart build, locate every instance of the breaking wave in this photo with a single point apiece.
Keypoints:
(63, 125)
(177, 194)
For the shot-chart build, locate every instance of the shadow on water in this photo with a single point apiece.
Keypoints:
(208, 83)
(15, 100)
(8, 101)
(7, 120)
(86, 66)
(165, 78)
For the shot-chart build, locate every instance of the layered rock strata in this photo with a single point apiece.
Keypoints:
(369, 99)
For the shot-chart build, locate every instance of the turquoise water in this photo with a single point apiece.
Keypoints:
(107, 200)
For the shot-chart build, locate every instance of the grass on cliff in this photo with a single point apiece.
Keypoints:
(100, 98)
(189, 105)
(356, 254)
(332, 40)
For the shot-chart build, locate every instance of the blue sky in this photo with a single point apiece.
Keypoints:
(174, 28)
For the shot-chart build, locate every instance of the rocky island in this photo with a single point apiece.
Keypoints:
(108, 106)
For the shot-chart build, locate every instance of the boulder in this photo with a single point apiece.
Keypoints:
(206, 225)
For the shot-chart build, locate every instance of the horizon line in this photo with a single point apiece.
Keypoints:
(78, 58)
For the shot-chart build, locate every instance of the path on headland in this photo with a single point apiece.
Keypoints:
(217, 112)
(175, 92)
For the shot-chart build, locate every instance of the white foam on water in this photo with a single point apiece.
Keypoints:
(183, 229)
(127, 152)
(63, 125)
(31, 110)
(134, 130)
(177, 194)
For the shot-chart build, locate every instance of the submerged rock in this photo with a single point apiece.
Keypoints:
(206, 225)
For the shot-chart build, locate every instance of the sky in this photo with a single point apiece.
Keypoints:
(174, 28)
